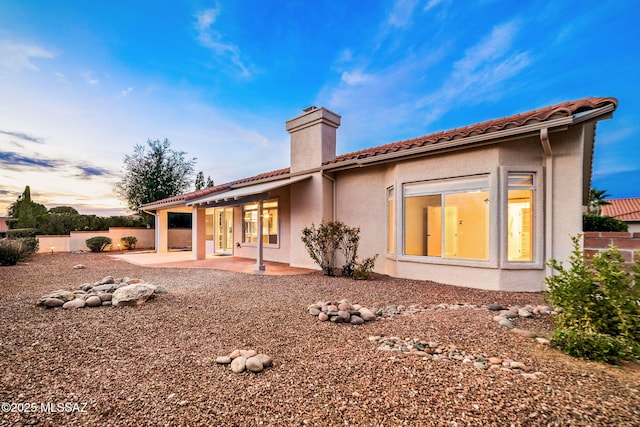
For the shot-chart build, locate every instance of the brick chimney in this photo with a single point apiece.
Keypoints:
(313, 138)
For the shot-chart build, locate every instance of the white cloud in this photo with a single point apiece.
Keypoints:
(88, 78)
(356, 78)
(124, 93)
(402, 13)
(478, 75)
(213, 40)
(18, 56)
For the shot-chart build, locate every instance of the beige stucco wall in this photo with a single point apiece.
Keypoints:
(76, 240)
(361, 200)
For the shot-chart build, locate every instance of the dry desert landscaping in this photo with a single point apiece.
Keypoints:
(155, 364)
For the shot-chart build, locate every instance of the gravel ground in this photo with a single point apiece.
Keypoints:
(155, 364)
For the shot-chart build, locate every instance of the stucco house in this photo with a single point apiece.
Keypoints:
(627, 210)
(482, 206)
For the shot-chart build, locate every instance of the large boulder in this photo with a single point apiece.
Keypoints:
(133, 294)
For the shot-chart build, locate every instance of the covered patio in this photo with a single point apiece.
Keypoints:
(184, 259)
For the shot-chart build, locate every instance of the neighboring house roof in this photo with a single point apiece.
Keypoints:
(483, 131)
(623, 209)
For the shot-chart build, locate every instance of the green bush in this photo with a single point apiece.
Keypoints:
(18, 233)
(14, 250)
(129, 242)
(98, 243)
(591, 222)
(600, 305)
(587, 344)
(364, 269)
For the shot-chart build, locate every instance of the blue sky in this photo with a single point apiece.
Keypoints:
(83, 82)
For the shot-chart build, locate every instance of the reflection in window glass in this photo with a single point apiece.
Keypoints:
(520, 217)
(451, 223)
(269, 222)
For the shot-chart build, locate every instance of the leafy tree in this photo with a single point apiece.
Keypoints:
(154, 172)
(597, 200)
(63, 210)
(200, 183)
(25, 212)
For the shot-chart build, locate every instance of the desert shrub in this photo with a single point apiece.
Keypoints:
(30, 245)
(129, 242)
(98, 243)
(364, 269)
(14, 250)
(323, 241)
(600, 305)
(10, 252)
(592, 222)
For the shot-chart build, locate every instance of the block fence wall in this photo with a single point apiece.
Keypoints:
(75, 241)
(627, 243)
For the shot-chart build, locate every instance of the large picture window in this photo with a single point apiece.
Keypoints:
(447, 218)
(520, 216)
(269, 222)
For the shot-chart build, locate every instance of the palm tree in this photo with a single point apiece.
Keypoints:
(597, 200)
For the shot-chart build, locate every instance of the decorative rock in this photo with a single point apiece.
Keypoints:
(106, 303)
(265, 359)
(495, 307)
(344, 315)
(160, 290)
(106, 280)
(93, 301)
(367, 315)
(356, 320)
(323, 317)
(248, 353)
(223, 360)
(60, 294)
(523, 333)
(105, 297)
(238, 364)
(79, 267)
(344, 306)
(254, 364)
(53, 302)
(314, 311)
(76, 303)
(105, 288)
(517, 365)
(134, 294)
(86, 287)
(524, 313)
(235, 354)
(506, 323)
(495, 361)
(543, 341)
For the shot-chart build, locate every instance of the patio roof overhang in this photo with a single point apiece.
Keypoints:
(245, 194)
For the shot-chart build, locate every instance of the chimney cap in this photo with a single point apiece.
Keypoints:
(310, 108)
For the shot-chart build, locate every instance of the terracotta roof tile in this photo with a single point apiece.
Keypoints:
(186, 197)
(565, 109)
(623, 209)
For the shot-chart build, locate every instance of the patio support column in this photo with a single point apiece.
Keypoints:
(162, 231)
(198, 244)
(259, 262)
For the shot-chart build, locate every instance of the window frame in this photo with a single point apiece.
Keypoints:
(278, 233)
(456, 185)
(538, 219)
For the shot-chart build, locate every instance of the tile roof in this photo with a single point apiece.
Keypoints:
(623, 209)
(186, 197)
(565, 109)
